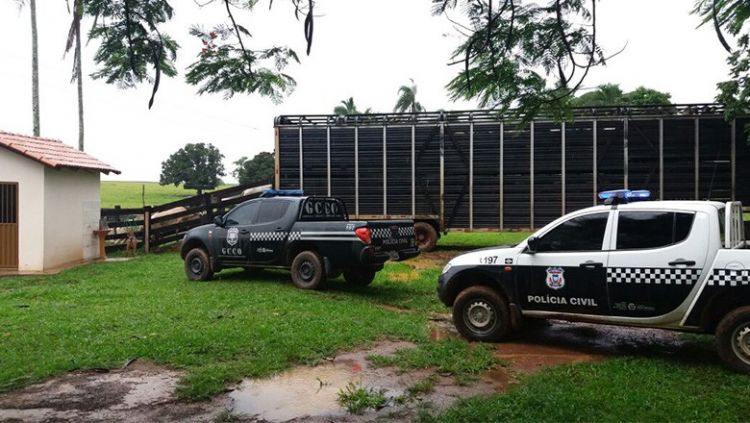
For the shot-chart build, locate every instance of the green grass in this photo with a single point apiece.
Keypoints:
(639, 389)
(466, 240)
(465, 362)
(101, 315)
(356, 399)
(129, 194)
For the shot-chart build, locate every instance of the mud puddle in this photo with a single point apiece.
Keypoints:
(310, 393)
(141, 392)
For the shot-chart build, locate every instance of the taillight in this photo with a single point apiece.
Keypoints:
(364, 234)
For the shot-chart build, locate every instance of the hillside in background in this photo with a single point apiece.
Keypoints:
(129, 194)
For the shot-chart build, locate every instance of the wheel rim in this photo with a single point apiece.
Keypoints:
(480, 316)
(196, 265)
(306, 271)
(741, 342)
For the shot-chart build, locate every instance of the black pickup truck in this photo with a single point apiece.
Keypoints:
(311, 236)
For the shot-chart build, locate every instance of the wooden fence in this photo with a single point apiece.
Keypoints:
(159, 225)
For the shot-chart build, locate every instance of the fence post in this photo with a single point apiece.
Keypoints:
(147, 229)
(209, 208)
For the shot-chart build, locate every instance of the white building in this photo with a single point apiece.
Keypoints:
(49, 204)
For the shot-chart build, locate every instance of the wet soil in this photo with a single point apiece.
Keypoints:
(141, 392)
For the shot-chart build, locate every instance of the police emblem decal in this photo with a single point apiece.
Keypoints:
(555, 278)
(233, 236)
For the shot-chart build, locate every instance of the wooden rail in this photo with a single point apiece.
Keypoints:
(166, 223)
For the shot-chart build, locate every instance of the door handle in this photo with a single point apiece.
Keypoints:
(244, 232)
(682, 262)
(591, 265)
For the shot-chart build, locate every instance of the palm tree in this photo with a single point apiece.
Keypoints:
(347, 107)
(603, 95)
(407, 99)
(34, 65)
(74, 35)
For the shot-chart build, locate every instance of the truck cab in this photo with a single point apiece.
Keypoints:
(678, 265)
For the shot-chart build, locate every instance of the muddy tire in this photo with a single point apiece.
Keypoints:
(197, 265)
(481, 314)
(426, 235)
(733, 340)
(359, 277)
(308, 271)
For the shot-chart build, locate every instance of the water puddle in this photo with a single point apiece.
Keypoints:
(312, 391)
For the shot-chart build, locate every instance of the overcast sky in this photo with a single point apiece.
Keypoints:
(362, 48)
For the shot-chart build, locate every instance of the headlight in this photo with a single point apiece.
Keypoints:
(447, 267)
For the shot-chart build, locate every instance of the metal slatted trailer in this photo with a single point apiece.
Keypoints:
(480, 170)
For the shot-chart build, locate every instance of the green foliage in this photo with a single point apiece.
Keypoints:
(407, 99)
(131, 42)
(232, 69)
(731, 16)
(260, 168)
(347, 107)
(612, 95)
(462, 360)
(196, 166)
(525, 55)
(357, 399)
(424, 386)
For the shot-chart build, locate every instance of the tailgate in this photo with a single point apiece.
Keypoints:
(392, 235)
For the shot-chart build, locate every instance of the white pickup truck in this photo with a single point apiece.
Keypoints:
(678, 265)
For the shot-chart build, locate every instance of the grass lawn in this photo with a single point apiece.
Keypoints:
(129, 194)
(469, 240)
(102, 314)
(244, 325)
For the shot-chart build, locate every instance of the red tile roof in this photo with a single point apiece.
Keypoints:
(52, 153)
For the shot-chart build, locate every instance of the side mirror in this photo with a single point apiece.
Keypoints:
(218, 221)
(531, 244)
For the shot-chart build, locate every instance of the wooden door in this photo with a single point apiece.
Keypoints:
(8, 226)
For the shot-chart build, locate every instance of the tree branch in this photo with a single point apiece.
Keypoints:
(245, 54)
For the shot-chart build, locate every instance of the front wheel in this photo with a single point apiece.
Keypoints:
(481, 314)
(308, 271)
(360, 277)
(197, 265)
(733, 340)
(426, 236)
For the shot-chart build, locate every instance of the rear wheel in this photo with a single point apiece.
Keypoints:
(481, 314)
(426, 236)
(360, 277)
(197, 265)
(307, 270)
(733, 340)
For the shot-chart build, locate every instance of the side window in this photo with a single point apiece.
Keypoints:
(271, 211)
(242, 215)
(651, 229)
(583, 233)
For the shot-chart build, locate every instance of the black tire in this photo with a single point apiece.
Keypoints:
(481, 314)
(197, 265)
(426, 235)
(308, 271)
(359, 277)
(733, 340)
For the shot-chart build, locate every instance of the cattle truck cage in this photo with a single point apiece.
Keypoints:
(481, 170)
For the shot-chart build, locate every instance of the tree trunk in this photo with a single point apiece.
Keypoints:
(79, 77)
(34, 69)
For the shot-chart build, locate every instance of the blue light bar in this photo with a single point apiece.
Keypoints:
(282, 193)
(625, 195)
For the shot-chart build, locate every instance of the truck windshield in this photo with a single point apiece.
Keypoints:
(328, 209)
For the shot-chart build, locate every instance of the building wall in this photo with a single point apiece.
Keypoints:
(30, 178)
(72, 203)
